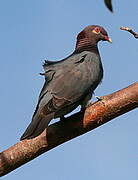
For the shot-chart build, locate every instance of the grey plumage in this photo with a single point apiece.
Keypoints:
(68, 84)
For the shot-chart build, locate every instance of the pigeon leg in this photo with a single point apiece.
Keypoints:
(99, 98)
(86, 102)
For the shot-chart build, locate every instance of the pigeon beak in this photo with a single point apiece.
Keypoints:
(108, 39)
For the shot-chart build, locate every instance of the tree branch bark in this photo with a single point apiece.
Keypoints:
(98, 113)
(130, 31)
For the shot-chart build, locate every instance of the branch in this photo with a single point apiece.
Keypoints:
(129, 30)
(97, 114)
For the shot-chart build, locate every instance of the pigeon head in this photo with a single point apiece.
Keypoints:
(90, 36)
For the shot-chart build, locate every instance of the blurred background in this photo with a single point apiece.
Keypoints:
(31, 31)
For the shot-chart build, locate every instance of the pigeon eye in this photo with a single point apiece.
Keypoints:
(96, 30)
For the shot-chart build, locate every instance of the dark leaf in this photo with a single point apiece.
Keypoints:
(108, 4)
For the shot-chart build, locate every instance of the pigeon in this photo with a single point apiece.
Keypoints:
(70, 82)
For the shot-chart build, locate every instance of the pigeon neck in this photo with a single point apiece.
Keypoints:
(86, 45)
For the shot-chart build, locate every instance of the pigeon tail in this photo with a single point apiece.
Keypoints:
(37, 126)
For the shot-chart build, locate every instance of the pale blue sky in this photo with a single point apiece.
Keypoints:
(31, 31)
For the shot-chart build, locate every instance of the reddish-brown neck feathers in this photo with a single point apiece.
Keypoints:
(84, 42)
(89, 37)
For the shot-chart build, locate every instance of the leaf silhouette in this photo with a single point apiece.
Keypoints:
(108, 4)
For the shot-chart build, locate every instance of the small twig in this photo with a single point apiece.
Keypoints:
(129, 30)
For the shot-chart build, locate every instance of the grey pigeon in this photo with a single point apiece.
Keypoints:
(69, 82)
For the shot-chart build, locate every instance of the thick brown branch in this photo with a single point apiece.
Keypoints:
(97, 114)
(129, 30)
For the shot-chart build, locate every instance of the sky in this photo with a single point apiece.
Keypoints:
(31, 31)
